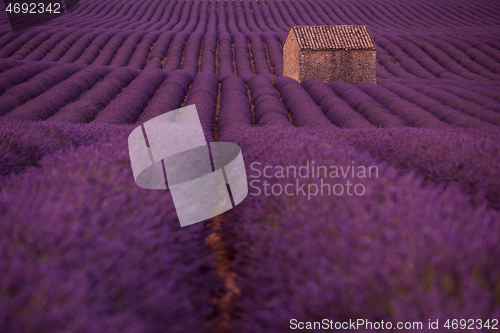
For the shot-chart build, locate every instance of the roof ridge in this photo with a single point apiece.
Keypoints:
(333, 37)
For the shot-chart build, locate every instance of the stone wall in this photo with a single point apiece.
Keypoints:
(317, 64)
(348, 66)
(291, 54)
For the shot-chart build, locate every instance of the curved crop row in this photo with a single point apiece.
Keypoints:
(302, 108)
(203, 94)
(175, 52)
(335, 109)
(86, 108)
(40, 83)
(410, 113)
(242, 57)
(91, 52)
(471, 96)
(440, 110)
(140, 55)
(63, 46)
(124, 53)
(275, 54)
(159, 50)
(365, 105)
(469, 108)
(127, 107)
(259, 56)
(109, 51)
(19, 74)
(47, 103)
(225, 56)
(235, 108)
(268, 107)
(169, 96)
(405, 61)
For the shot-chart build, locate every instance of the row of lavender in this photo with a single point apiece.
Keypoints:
(224, 50)
(81, 94)
(277, 16)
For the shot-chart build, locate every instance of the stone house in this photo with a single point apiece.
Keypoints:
(330, 53)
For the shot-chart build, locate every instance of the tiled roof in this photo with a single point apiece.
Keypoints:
(334, 37)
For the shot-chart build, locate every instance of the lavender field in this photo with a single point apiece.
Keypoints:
(83, 249)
